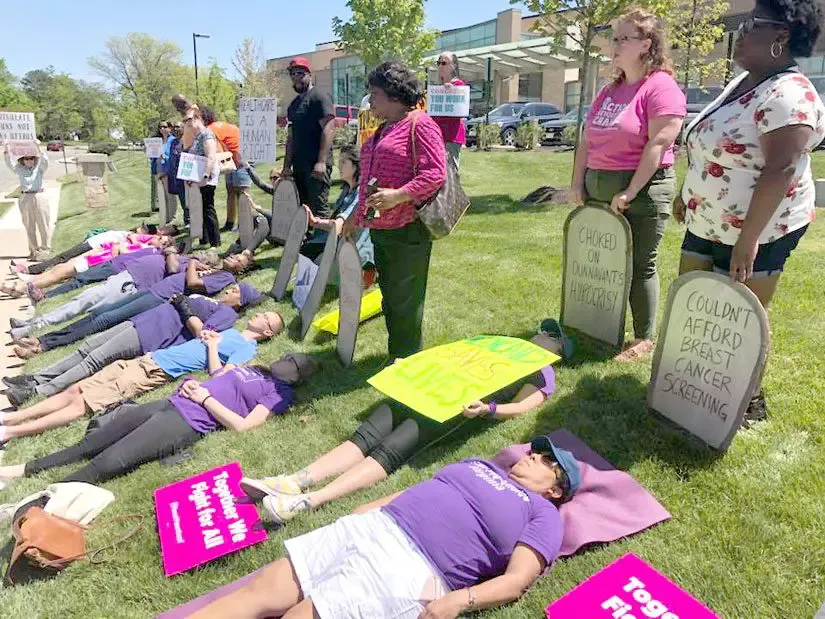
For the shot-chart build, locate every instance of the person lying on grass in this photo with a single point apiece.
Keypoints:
(164, 326)
(238, 398)
(83, 264)
(389, 437)
(129, 378)
(188, 276)
(472, 537)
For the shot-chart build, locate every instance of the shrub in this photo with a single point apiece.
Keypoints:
(488, 134)
(282, 134)
(528, 135)
(568, 134)
(101, 147)
(343, 136)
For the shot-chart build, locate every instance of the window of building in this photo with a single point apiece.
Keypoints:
(341, 68)
(812, 66)
(480, 35)
(529, 87)
(572, 92)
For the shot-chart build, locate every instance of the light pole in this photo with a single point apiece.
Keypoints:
(195, 37)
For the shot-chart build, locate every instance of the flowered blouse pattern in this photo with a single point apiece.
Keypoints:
(726, 159)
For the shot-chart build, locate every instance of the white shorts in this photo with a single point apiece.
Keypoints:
(364, 567)
(80, 264)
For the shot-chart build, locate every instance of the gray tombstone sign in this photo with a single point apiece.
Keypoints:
(285, 203)
(297, 232)
(350, 289)
(194, 203)
(319, 285)
(246, 221)
(596, 273)
(709, 357)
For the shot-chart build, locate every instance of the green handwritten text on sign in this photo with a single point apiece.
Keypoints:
(439, 382)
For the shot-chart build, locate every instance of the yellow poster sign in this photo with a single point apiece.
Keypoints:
(368, 122)
(441, 381)
(370, 306)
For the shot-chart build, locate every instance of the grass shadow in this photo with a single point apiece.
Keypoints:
(502, 203)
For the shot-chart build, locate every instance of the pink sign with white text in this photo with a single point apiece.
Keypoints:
(199, 520)
(628, 589)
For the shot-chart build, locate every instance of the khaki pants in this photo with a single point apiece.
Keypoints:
(34, 210)
(120, 381)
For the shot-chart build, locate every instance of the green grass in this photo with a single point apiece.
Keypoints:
(748, 530)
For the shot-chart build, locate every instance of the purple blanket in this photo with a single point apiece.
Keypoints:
(609, 505)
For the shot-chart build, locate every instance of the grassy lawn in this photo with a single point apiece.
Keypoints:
(748, 530)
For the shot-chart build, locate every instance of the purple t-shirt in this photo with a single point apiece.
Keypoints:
(617, 124)
(176, 284)
(119, 262)
(161, 326)
(469, 518)
(147, 271)
(240, 390)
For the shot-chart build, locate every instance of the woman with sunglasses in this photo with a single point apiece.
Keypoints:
(205, 144)
(625, 158)
(748, 196)
(34, 207)
(453, 129)
(164, 132)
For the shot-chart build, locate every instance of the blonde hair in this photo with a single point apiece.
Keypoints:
(649, 27)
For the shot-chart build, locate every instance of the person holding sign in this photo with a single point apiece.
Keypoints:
(229, 136)
(749, 195)
(165, 133)
(453, 129)
(474, 536)
(391, 435)
(625, 158)
(168, 168)
(34, 207)
(387, 205)
(205, 144)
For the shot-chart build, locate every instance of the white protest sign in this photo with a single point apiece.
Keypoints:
(17, 126)
(709, 357)
(448, 101)
(258, 119)
(191, 167)
(596, 273)
(154, 147)
(307, 270)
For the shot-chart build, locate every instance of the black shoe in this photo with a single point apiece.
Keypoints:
(17, 396)
(16, 323)
(19, 381)
(228, 227)
(757, 411)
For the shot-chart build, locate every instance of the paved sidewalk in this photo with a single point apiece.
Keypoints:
(13, 244)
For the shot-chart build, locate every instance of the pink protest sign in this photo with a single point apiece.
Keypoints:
(199, 521)
(628, 589)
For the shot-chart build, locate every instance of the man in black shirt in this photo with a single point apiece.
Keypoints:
(308, 155)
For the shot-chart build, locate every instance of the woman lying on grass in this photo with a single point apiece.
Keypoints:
(472, 537)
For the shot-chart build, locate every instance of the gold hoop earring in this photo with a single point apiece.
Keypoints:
(776, 54)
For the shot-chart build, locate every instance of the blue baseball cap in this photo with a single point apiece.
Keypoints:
(567, 461)
(249, 295)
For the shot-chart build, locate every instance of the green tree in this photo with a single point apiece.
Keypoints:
(380, 30)
(12, 97)
(256, 79)
(220, 93)
(694, 28)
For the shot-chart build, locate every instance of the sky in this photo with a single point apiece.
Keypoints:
(64, 33)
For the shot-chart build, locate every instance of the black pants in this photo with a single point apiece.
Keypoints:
(211, 229)
(402, 258)
(137, 433)
(72, 252)
(391, 436)
(99, 273)
(314, 192)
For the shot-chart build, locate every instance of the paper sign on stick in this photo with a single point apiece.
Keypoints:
(370, 306)
(191, 167)
(596, 273)
(17, 126)
(258, 121)
(154, 147)
(709, 357)
(628, 587)
(199, 521)
(448, 100)
(439, 382)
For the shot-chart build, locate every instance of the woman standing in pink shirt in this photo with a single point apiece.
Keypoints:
(402, 166)
(625, 158)
(452, 129)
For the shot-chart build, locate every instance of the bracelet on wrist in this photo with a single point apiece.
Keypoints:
(493, 407)
(203, 402)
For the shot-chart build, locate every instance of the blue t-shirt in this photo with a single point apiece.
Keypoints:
(191, 356)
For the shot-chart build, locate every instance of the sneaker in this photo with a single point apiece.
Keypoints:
(26, 342)
(269, 486)
(757, 411)
(42, 254)
(18, 395)
(35, 294)
(23, 380)
(18, 323)
(24, 352)
(228, 227)
(281, 508)
(16, 269)
(18, 332)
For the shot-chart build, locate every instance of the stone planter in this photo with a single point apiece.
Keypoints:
(93, 168)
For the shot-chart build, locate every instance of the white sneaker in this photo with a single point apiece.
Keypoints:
(280, 508)
(269, 486)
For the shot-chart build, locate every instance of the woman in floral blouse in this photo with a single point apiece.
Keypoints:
(749, 194)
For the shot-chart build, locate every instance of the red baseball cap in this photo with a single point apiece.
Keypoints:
(300, 62)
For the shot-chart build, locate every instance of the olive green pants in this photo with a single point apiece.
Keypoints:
(647, 216)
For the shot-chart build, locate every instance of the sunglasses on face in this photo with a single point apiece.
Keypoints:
(443, 63)
(297, 73)
(28, 158)
(754, 22)
(188, 120)
(624, 39)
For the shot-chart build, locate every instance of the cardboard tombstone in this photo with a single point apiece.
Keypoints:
(246, 221)
(285, 202)
(297, 232)
(350, 289)
(160, 196)
(194, 203)
(596, 273)
(710, 355)
(171, 207)
(319, 285)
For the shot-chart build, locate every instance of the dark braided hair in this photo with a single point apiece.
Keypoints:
(397, 81)
(804, 19)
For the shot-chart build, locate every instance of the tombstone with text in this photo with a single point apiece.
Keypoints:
(596, 273)
(18, 128)
(709, 357)
(258, 120)
(350, 289)
(285, 203)
(297, 232)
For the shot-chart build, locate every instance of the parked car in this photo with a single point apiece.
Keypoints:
(698, 99)
(508, 116)
(344, 114)
(554, 129)
(54, 145)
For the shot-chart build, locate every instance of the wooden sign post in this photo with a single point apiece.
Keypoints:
(596, 273)
(285, 202)
(319, 285)
(350, 289)
(294, 238)
(709, 357)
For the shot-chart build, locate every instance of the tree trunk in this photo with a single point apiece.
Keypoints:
(584, 79)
